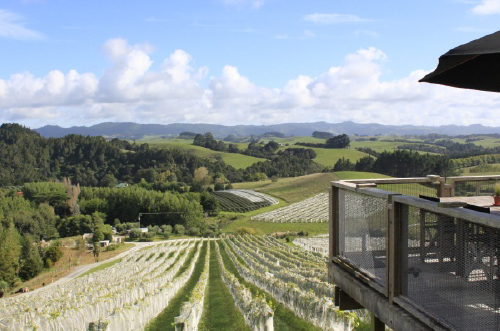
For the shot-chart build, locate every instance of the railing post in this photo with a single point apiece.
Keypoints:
(334, 223)
(394, 246)
(445, 190)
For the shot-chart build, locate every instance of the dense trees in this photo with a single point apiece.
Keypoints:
(340, 141)
(126, 203)
(25, 156)
(403, 163)
(322, 135)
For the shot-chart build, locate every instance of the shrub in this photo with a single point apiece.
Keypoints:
(179, 229)
(229, 186)
(219, 187)
(166, 229)
(148, 236)
(245, 230)
(4, 287)
(52, 255)
(135, 233)
(120, 228)
(194, 231)
(111, 248)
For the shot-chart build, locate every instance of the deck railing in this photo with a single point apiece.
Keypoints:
(439, 263)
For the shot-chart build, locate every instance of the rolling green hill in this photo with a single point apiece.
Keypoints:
(292, 189)
(239, 161)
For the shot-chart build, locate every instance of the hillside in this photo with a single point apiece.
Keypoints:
(137, 131)
(292, 189)
(239, 161)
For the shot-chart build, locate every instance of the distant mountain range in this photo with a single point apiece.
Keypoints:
(130, 130)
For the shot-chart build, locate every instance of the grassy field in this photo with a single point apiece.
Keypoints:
(238, 161)
(346, 175)
(466, 171)
(292, 189)
(287, 190)
(328, 157)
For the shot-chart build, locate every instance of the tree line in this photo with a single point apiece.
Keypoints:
(26, 156)
(400, 163)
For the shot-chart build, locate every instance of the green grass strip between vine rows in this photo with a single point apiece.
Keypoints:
(165, 320)
(219, 310)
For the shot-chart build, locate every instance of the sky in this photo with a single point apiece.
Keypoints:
(74, 63)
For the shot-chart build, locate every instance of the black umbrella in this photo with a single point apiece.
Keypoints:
(475, 65)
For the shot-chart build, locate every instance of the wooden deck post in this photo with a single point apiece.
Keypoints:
(394, 259)
(334, 222)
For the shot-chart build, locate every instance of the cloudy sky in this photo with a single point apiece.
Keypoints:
(237, 61)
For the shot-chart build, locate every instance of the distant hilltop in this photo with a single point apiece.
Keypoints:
(128, 130)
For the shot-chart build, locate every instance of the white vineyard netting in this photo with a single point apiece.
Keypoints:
(126, 296)
(312, 210)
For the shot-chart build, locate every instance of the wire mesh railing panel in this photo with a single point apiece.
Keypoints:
(450, 269)
(411, 189)
(362, 233)
(475, 188)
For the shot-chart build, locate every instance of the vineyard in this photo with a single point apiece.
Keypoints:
(318, 244)
(312, 210)
(243, 200)
(270, 286)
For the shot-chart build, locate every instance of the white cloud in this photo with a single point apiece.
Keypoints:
(130, 90)
(333, 18)
(12, 26)
(253, 3)
(487, 7)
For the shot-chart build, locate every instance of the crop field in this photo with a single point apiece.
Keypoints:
(243, 200)
(243, 282)
(312, 210)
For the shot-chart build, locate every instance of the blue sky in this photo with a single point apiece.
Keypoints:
(237, 61)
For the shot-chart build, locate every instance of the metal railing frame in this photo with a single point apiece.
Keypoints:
(445, 187)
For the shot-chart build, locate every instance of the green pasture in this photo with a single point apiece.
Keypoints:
(292, 189)
(328, 157)
(378, 146)
(238, 161)
(467, 171)
(346, 175)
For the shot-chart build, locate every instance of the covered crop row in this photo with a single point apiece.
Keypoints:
(257, 313)
(258, 262)
(243, 200)
(314, 244)
(192, 309)
(124, 296)
(312, 210)
(320, 311)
